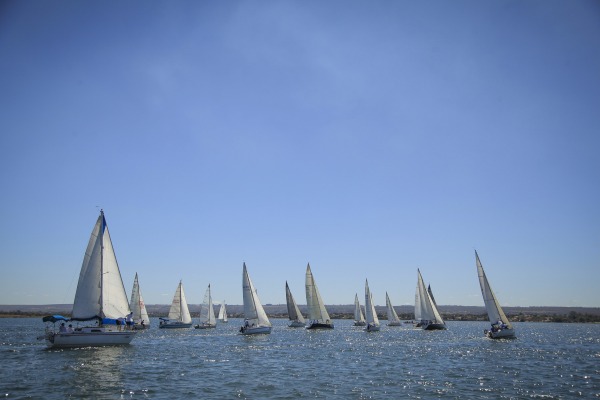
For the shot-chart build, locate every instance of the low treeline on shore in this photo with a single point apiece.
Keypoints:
(449, 313)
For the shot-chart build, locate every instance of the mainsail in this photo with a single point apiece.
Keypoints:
(495, 312)
(371, 315)
(294, 313)
(358, 314)
(179, 310)
(254, 312)
(137, 306)
(207, 313)
(100, 291)
(316, 308)
(417, 304)
(429, 311)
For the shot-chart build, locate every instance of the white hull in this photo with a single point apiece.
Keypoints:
(297, 324)
(256, 330)
(174, 325)
(501, 334)
(89, 337)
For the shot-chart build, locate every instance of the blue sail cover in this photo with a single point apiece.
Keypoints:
(54, 318)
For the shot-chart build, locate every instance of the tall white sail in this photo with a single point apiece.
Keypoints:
(417, 304)
(254, 312)
(222, 312)
(179, 310)
(100, 291)
(391, 313)
(137, 306)
(358, 314)
(316, 308)
(207, 313)
(370, 314)
(495, 312)
(429, 311)
(294, 313)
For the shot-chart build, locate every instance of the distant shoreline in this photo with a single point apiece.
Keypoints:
(345, 311)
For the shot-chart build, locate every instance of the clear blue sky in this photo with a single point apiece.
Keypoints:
(367, 138)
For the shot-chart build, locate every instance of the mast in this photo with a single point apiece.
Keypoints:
(102, 264)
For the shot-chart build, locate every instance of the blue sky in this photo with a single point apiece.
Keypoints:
(367, 138)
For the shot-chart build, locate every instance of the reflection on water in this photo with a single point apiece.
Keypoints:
(545, 360)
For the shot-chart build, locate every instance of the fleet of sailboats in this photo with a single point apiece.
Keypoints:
(317, 313)
(430, 318)
(501, 326)
(294, 314)
(207, 313)
(100, 298)
(179, 313)
(138, 308)
(255, 318)
(359, 318)
(370, 314)
(392, 317)
(222, 313)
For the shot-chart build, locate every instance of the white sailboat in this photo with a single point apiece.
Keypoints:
(294, 314)
(359, 318)
(100, 297)
(138, 308)
(255, 318)
(501, 326)
(392, 317)
(317, 313)
(179, 313)
(371, 315)
(430, 316)
(222, 313)
(207, 313)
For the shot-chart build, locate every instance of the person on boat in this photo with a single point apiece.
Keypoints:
(63, 328)
(143, 324)
(70, 329)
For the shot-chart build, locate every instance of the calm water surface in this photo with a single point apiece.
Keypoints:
(545, 361)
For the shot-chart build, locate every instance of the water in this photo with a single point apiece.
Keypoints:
(546, 360)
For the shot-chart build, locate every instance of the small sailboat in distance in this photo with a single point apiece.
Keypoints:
(179, 313)
(255, 318)
(294, 314)
(317, 313)
(501, 326)
(359, 318)
(371, 315)
(392, 317)
(100, 297)
(430, 316)
(207, 312)
(138, 308)
(222, 313)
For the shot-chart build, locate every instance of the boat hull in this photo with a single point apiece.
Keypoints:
(360, 323)
(255, 330)
(394, 323)
(174, 325)
(205, 326)
(501, 334)
(296, 324)
(372, 328)
(319, 325)
(433, 327)
(89, 338)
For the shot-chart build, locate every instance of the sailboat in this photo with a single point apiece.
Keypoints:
(294, 314)
(138, 308)
(371, 315)
(255, 318)
(100, 297)
(359, 318)
(207, 313)
(317, 313)
(392, 317)
(430, 316)
(179, 313)
(222, 313)
(501, 326)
